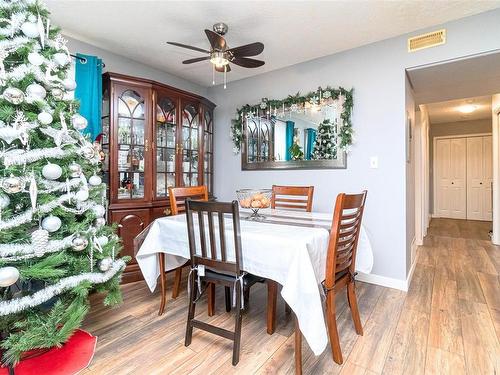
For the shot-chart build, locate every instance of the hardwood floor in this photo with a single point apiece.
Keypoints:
(447, 323)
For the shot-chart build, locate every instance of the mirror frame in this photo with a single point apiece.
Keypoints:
(339, 163)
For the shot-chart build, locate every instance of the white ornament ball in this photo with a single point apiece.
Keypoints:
(105, 264)
(4, 201)
(79, 243)
(99, 210)
(99, 222)
(51, 171)
(8, 276)
(51, 223)
(35, 58)
(32, 18)
(30, 29)
(36, 92)
(82, 195)
(45, 118)
(78, 121)
(13, 95)
(69, 84)
(102, 240)
(57, 93)
(95, 180)
(75, 170)
(61, 59)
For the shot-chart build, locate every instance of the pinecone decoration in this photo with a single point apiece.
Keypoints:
(39, 240)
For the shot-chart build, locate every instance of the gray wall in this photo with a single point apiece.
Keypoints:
(410, 171)
(377, 73)
(450, 129)
(121, 64)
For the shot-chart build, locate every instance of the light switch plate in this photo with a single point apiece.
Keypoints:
(374, 162)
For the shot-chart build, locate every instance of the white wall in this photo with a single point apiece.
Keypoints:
(121, 64)
(377, 74)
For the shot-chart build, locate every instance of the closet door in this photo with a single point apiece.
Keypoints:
(475, 195)
(487, 178)
(450, 169)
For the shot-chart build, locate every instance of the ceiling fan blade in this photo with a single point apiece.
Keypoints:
(221, 69)
(216, 41)
(188, 47)
(252, 49)
(197, 59)
(247, 63)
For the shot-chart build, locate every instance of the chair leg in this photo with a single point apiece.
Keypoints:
(246, 296)
(332, 327)
(298, 348)
(177, 282)
(227, 296)
(211, 299)
(191, 309)
(353, 304)
(272, 295)
(163, 282)
(237, 328)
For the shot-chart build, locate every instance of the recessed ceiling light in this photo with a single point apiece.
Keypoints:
(467, 108)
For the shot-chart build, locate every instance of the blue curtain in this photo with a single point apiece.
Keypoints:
(289, 139)
(89, 92)
(311, 138)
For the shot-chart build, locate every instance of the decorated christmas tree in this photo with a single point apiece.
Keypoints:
(55, 246)
(324, 145)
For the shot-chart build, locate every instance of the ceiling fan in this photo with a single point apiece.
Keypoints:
(220, 55)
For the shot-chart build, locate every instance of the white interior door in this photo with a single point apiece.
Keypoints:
(487, 178)
(475, 195)
(450, 168)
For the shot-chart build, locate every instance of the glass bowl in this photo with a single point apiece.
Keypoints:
(254, 199)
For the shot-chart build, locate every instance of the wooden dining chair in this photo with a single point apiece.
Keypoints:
(340, 267)
(292, 197)
(211, 265)
(177, 197)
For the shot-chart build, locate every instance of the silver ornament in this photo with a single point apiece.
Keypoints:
(78, 121)
(105, 264)
(4, 201)
(95, 180)
(12, 184)
(99, 210)
(51, 171)
(39, 240)
(9, 134)
(30, 29)
(79, 243)
(45, 118)
(82, 195)
(102, 240)
(69, 84)
(75, 170)
(8, 276)
(35, 58)
(36, 92)
(13, 95)
(99, 222)
(51, 223)
(327, 94)
(61, 59)
(58, 94)
(88, 152)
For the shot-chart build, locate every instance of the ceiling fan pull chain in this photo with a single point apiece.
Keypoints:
(225, 70)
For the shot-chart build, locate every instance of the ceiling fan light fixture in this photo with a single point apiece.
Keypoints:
(218, 59)
(467, 108)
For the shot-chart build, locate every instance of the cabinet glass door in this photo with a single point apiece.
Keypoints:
(131, 145)
(208, 169)
(190, 144)
(165, 142)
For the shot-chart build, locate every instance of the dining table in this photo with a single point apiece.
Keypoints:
(288, 247)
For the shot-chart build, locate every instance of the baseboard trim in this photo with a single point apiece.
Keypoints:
(388, 282)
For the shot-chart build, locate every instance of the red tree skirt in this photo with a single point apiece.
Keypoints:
(74, 356)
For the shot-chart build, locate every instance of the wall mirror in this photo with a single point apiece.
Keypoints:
(304, 135)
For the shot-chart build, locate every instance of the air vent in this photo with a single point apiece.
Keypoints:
(428, 40)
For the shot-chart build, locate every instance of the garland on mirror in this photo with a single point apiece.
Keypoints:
(298, 103)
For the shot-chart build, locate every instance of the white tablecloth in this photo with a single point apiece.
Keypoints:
(292, 255)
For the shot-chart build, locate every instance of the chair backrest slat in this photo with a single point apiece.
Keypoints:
(178, 195)
(344, 235)
(292, 197)
(217, 260)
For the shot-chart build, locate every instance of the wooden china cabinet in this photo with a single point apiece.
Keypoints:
(154, 136)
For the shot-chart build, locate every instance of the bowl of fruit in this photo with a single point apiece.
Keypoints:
(254, 199)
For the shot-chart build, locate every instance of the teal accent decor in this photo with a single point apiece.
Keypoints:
(89, 92)
(289, 139)
(311, 138)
